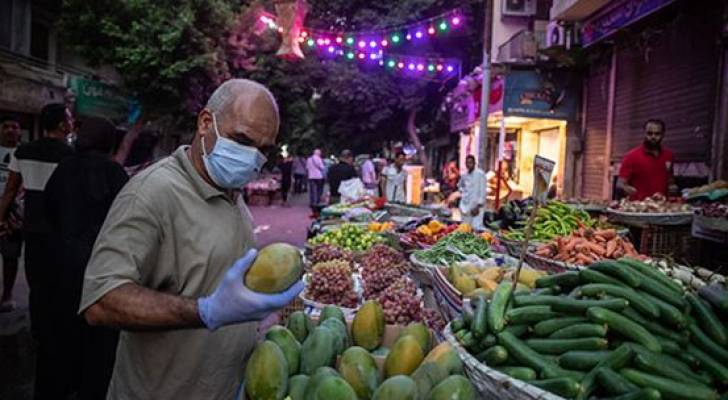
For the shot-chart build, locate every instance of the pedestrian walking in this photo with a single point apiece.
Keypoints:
(169, 262)
(316, 171)
(369, 175)
(31, 166)
(343, 170)
(299, 174)
(474, 189)
(396, 180)
(286, 167)
(11, 240)
(82, 189)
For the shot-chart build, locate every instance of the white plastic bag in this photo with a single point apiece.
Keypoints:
(352, 190)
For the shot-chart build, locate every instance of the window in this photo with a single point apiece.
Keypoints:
(39, 36)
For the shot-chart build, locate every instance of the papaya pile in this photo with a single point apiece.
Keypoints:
(617, 329)
(473, 280)
(324, 361)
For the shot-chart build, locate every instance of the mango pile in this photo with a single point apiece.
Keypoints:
(617, 329)
(326, 361)
(472, 280)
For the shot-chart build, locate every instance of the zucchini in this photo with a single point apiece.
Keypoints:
(561, 346)
(524, 355)
(668, 313)
(521, 373)
(564, 387)
(615, 270)
(651, 272)
(624, 326)
(646, 362)
(669, 388)
(707, 320)
(654, 327)
(457, 325)
(615, 360)
(636, 300)
(580, 331)
(480, 323)
(574, 306)
(581, 360)
(708, 345)
(642, 394)
(517, 330)
(564, 280)
(671, 361)
(708, 363)
(545, 328)
(716, 295)
(614, 383)
(497, 308)
(588, 275)
(496, 355)
(488, 341)
(661, 291)
(530, 314)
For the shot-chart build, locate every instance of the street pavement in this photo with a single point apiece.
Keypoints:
(273, 223)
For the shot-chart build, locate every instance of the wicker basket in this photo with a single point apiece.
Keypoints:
(549, 265)
(673, 241)
(644, 219)
(492, 384)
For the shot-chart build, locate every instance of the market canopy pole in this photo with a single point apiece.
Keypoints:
(485, 85)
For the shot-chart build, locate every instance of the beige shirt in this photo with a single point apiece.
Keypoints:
(170, 231)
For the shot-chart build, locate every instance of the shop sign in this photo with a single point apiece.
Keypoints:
(94, 98)
(611, 19)
(465, 110)
(545, 94)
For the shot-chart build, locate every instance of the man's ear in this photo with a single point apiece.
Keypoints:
(204, 122)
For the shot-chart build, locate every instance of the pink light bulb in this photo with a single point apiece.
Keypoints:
(320, 42)
(411, 67)
(304, 34)
(408, 37)
(385, 43)
(327, 41)
(301, 40)
(361, 56)
(439, 67)
(331, 49)
(456, 20)
(372, 44)
(420, 67)
(400, 65)
(339, 39)
(362, 44)
(431, 31)
(373, 56)
(418, 35)
(450, 68)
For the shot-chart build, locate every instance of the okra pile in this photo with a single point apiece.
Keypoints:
(615, 330)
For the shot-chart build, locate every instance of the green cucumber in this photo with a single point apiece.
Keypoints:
(588, 275)
(574, 306)
(708, 363)
(564, 387)
(565, 280)
(561, 346)
(708, 345)
(669, 346)
(520, 373)
(457, 325)
(580, 331)
(581, 360)
(488, 341)
(617, 271)
(496, 355)
(534, 300)
(614, 383)
(530, 314)
(517, 330)
(646, 362)
(689, 359)
(467, 317)
(545, 328)
(497, 308)
(652, 326)
(615, 360)
(642, 394)
(525, 356)
(668, 313)
(669, 388)
(468, 341)
(651, 272)
(480, 323)
(707, 320)
(657, 289)
(672, 362)
(624, 326)
(636, 300)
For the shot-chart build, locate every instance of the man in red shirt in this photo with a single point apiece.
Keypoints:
(647, 169)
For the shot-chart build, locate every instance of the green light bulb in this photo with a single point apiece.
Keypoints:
(350, 56)
(311, 42)
(443, 26)
(350, 40)
(430, 67)
(391, 64)
(395, 38)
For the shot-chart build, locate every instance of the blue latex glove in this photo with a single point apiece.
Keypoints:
(232, 302)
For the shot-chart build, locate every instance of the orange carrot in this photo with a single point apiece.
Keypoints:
(594, 248)
(600, 238)
(611, 247)
(583, 259)
(606, 233)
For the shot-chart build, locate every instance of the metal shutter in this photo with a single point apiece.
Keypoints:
(595, 137)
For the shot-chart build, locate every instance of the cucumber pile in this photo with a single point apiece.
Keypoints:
(616, 330)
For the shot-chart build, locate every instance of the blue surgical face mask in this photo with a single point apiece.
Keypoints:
(231, 165)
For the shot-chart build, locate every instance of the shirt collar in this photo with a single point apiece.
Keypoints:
(205, 190)
(647, 152)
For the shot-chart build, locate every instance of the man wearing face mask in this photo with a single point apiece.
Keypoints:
(168, 266)
(647, 169)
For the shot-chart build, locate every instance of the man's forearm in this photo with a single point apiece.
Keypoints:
(132, 307)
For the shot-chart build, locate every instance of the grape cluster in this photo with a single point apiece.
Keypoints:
(381, 266)
(433, 319)
(332, 283)
(327, 252)
(400, 302)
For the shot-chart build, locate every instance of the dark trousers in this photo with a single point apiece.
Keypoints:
(315, 190)
(285, 187)
(299, 183)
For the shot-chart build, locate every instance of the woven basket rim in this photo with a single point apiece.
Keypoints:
(551, 261)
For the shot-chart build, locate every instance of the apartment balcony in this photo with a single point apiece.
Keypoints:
(523, 47)
(575, 10)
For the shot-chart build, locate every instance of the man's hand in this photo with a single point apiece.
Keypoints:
(232, 302)
(630, 190)
(673, 190)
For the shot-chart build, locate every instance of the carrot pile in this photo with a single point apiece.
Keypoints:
(586, 246)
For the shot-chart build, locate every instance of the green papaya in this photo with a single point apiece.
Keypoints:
(333, 387)
(367, 329)
(318, 350)
(427, 376)
(400, 387)
(289, 346)
(300, 325)
(359, 369)
(266, 375)
(297, 386)
(342, 336)
(404, 358)
(454, 387)
(330, 311)
(446, 357)
(421, 333)
(316, 378)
